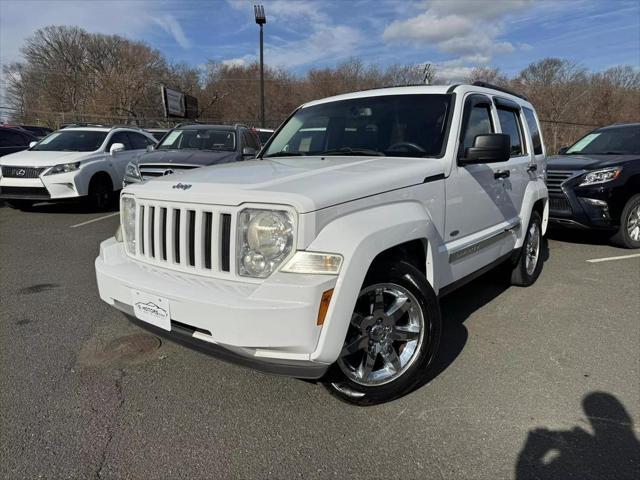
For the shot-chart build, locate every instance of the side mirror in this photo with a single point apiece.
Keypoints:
(563, 150)
(150, 148)
(116, 147)
(488, 148)
(249, 152)
(32, 144)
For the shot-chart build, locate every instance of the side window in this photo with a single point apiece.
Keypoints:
(510, 124)
(119, 137)
(479, 122)
(138, 142)
(12, 139)
(250, 140)
(534, 130)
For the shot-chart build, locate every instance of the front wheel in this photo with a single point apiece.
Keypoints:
(529, 262)
(628, 235)
(392, 338)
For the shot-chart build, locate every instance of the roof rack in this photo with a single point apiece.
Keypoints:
(500, 89)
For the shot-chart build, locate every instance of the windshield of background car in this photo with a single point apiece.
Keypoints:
(611, 141)
(71, 141)
(392, 125)
(199, 139)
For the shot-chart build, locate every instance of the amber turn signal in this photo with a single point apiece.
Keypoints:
(324, 306)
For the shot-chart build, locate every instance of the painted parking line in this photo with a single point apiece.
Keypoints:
(95, 220)
(608, 259)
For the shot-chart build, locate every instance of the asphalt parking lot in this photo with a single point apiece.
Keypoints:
(537, 383)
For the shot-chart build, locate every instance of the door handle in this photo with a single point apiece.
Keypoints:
(502, 174)
(532, 168)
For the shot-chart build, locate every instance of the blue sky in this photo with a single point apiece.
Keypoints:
(456, 35)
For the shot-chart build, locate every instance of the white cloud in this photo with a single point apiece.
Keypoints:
(170, 25)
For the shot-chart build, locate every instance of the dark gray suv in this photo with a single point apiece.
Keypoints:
(189, 146)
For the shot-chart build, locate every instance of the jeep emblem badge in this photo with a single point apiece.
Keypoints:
(182, 186)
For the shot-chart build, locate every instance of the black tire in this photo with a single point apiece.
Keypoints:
(522, 275)
(100, 193)
(629, 221)
(20, 204)
(405, 277)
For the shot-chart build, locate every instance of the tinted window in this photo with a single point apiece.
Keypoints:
(158, 135)
(264, 136)
(392, 125)
(138, 142)
(199, 139)
(12, 139)
(534, 130)
(479, 123)
(119, 137)
(251, 140)
(510, 124)
(609, 141)
(72, 141)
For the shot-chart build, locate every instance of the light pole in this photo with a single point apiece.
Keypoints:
(258, 10)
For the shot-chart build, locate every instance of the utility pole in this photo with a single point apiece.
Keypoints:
(258, 10)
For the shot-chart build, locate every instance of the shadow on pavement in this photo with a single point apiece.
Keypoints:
(65, 207)
(585, 237)
(611, 452)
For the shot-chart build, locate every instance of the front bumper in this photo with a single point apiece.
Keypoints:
(586, 207)
(45, 187)
(269, 326)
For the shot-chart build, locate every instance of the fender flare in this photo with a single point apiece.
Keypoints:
(90, 170)
(359, 237)
(534, 192)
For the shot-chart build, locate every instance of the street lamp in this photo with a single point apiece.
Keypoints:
(258, 10)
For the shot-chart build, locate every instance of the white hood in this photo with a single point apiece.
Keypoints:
(306, 183)
(38, 158)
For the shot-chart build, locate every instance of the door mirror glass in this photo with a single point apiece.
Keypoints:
(488, 148)
(563, 150)
(32, 144)
(249, 152)
(150, 148)
(116, 147)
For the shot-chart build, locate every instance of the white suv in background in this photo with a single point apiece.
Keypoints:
(325, 257)
(78, 161)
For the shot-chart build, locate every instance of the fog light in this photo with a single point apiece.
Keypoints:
(254, 263)
(601, 204)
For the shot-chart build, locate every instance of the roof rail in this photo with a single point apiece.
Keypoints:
(500, 89)
(184, 124)
(84, 124)
(133, 127)
(237, 125)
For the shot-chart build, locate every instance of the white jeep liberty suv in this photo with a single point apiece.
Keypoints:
(324, 257)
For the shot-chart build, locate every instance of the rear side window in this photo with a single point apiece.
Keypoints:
(120, 137)
(479, 123)
(510, 124)
(534, 130)
(250, 140)
(138, 142)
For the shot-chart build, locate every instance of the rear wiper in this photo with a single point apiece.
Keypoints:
(283, 154)
(351, 151)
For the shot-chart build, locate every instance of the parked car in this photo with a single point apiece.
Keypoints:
(14, 140)
(157, 133)
(325, 257)
(264, 134)
(37, 131)
(191, 146)
(595, 183)
(71, 163)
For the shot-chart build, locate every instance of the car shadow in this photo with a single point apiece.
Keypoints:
(611, 451)
(65, 207)
(581, 236)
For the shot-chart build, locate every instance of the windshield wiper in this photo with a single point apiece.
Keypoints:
(283, 154)
(351, 151)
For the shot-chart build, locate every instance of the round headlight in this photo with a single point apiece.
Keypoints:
(269, 233)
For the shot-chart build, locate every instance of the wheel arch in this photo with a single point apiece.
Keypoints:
(536, 198)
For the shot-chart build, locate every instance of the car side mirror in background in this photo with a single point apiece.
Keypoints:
(116, 147)
(488, 148)
(249, 152)
(563, 150)
(150, 148)
(32, 144)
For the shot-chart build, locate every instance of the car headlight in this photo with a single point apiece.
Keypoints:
(265, 239)
(600, 176)
(132, 171)
(128, 222)
(63, 168)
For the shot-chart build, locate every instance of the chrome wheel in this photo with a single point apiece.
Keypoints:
(633, 224)
(532, 248)
(384, 337)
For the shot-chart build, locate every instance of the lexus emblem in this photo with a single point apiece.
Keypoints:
(168, 171)
(21, 172)
(182, 186)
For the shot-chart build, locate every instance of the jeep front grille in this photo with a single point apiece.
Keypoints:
(187, 237)
(555, 179)
(149, 171)
(21, 172)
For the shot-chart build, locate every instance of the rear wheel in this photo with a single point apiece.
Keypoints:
(100, 192)
(529, 263)
(628, 235)
(392, 337)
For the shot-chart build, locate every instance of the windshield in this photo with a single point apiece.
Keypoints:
(71, 141)
(610, 141)
(391, 125)
(199, 139)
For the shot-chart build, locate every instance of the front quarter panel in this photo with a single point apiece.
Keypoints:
(359, 237)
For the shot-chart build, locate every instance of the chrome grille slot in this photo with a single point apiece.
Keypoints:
(186, 237)
(555, 179)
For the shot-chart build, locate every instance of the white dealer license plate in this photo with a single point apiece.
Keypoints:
(152, 309)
